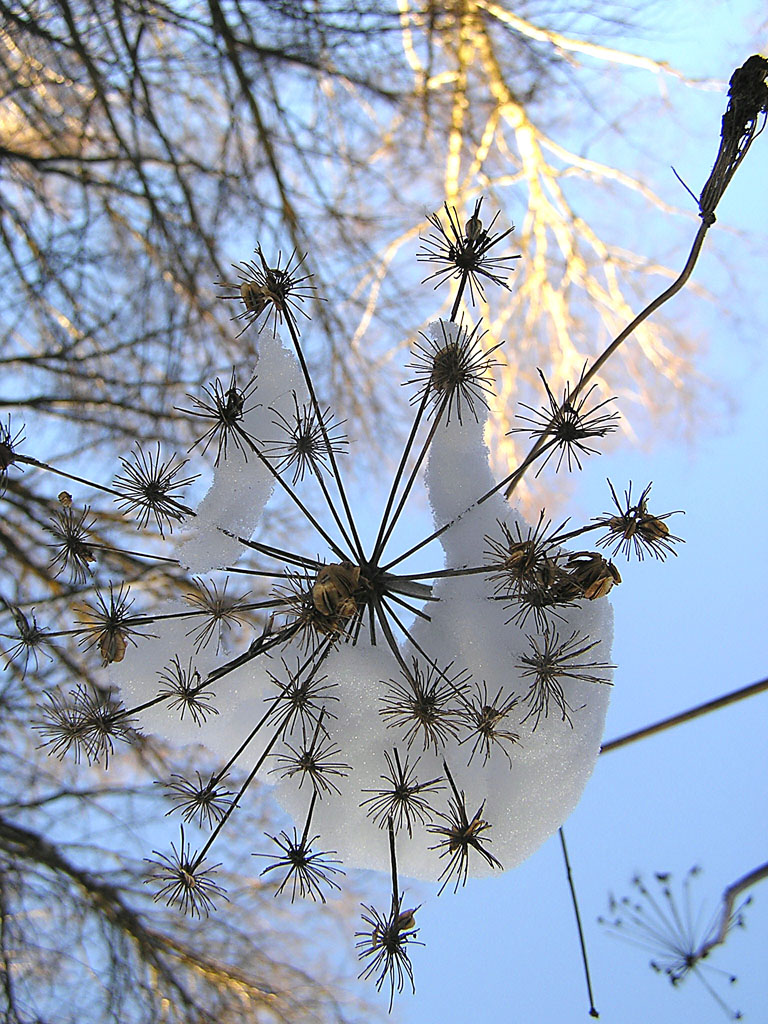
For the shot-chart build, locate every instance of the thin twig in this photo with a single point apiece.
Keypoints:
(686, 716)
(592, 1011)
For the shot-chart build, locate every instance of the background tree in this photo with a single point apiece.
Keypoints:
(145, 148)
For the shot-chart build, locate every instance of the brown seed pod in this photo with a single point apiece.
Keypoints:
(253, 297)
(112, 646)
(651, 528)
(475, 826)
(334, 589)
(593, 574)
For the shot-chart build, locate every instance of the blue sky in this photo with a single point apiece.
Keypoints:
(686, 631)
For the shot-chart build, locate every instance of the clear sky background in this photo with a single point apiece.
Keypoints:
(686, 631)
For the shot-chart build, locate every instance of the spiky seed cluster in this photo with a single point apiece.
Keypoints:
(464, 253)
(313, 760)
(460, 835)
(307, 870)
(30, 638)
(184, 881)
(520, 562)
(552, 661)
(634, 529)
(72, 550)
(184, 690)
(302, 697)
(679, 937)
(225, 409)
(569, 425)
(86, 721)
(453, 372)
(307, 442)
(218, 610)
(148, 487)
(484, 718)
(280, 290)
(424, 705)
(108, 625)
(402, 801)
(9, 442)
(205, 802)
(384, 945)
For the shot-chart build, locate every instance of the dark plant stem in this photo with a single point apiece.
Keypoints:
(643, 315)
(686, 716)
(262, 758)
(377, 548)
(592, 1011)
(273, 552)
(412, 478)
(27, 460)
(729, 897)
(393, 862)
(329, 447)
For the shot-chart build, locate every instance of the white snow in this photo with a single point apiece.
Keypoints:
(524, 801)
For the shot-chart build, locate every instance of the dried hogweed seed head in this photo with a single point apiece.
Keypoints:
(465, 253)
(549, 663)
(62, 726)
(384, 946)
(148, 487)
(87, 721)
(303, 696)
(29, 638)
(460, 835)
(204, 802)
(452, 371)
(72, 550)
(108, 625)
(184, 880)
(280, 289)
(680, 938)
(307, 870)
(520, 562)
(634, 528)
(313, 760)
(225, 409)
(218, 610)
(9, 442)
(424, 705)
(484, 717)
(308, 443)
(184, 690)
(568, 425)
(402, 801)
